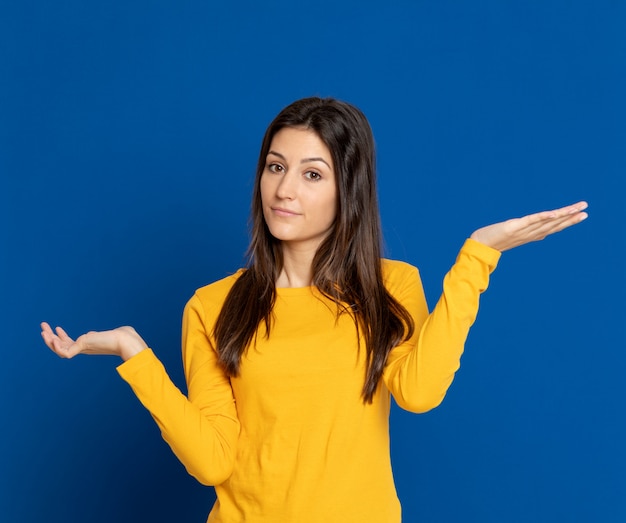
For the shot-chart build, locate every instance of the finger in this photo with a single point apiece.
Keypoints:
(540, 230)
(536, 219)
(46, 331)
(550, 221)
(554, 213)
(570, 209)
(53, 343)
(548, 224)
(47, 338)
(567, 221)
(48, 335)
(64, 348)
(577, 207)
(63, 335)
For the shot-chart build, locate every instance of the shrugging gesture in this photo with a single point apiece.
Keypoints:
(282, 430)
(534, 227)
(502, 236)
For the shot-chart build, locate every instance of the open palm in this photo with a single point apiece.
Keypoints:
(123, 342)
(518, 231)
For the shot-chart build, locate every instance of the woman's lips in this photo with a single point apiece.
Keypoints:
(279, 211)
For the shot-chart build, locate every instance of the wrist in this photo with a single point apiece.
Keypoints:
(481, 236)
(478, 237)
(130, 343)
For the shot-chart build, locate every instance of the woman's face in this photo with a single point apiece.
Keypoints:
(298, 189)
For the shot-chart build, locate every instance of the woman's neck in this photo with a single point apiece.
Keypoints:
(297, 268)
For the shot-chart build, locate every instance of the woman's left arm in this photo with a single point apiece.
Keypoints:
(420, 371)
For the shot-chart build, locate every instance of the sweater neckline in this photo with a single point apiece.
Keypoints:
(295, 291)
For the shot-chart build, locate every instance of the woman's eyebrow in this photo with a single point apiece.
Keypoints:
(304, 160)
(276, 154)
(316, 159)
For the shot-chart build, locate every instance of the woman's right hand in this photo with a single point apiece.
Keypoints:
(123, 342)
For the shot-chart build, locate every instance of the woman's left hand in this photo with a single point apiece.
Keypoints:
(518, 231)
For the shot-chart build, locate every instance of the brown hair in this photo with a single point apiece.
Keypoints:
(346, 267)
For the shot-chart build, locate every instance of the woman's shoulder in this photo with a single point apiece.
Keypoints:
(217, 291)
(393, 269)
(399, 275)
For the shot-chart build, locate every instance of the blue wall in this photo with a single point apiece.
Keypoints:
(128, 139)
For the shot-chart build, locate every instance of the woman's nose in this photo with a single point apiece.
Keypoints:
(287, 187)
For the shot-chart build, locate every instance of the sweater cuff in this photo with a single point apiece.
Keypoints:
(482, 252)
(135, 365)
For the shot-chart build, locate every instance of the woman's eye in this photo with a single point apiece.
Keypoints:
(275, 168)
(313, 176)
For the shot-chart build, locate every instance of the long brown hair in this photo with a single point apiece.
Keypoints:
(346, 267)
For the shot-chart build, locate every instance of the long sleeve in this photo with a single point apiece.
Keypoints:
(420, 371)
(202, 430)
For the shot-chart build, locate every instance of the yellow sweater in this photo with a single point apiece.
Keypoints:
(290, 439)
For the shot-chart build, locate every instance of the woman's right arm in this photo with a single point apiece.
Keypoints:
(202, 429)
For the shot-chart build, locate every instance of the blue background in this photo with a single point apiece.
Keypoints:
(128, 139)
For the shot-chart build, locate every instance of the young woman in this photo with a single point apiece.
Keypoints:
(290, 363)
